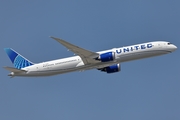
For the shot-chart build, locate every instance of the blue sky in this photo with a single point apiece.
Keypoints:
(144, 89)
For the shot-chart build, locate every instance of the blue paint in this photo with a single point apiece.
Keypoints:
(149, 45)
(18, 60)
(132, 48)
(136, 47)
(118, 51)
(143, 47)
(112, 69)
(126, 49)
(107, 57)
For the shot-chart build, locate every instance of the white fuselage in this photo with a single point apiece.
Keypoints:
(122, 54)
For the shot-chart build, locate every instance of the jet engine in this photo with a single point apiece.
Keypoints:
(105, 57)
(111, 69)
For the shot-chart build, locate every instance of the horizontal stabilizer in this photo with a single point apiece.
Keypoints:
(11, 69)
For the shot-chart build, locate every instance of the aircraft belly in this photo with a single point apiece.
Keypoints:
(68, 69)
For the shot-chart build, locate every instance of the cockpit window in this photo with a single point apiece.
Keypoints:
(169, 43)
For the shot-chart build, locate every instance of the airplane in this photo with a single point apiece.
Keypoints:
(108, 61)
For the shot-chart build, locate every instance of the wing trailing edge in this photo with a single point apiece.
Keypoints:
(87, 56)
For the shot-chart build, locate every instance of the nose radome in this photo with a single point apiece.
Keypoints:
(174, 48)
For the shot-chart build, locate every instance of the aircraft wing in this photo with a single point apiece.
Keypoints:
(86, 55)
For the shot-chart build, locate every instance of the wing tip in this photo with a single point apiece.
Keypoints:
(54, 37)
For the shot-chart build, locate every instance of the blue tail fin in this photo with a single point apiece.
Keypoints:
(18, 60)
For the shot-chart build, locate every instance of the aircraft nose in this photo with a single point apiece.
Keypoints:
(174, 47)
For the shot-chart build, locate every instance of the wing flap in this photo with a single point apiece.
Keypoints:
(86, 55)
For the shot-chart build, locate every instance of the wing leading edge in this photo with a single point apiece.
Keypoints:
(86, 55)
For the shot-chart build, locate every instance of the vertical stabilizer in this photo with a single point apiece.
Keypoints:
(18, 60)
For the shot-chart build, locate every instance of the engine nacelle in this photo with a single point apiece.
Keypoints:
(111, 69)
(105, 57)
